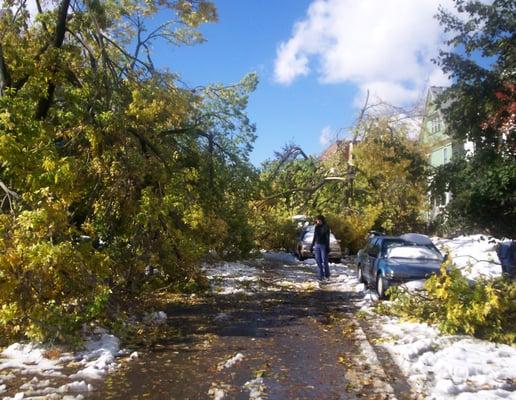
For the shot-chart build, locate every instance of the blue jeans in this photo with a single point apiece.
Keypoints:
(321, 256)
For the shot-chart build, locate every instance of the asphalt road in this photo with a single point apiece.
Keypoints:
(287, 343)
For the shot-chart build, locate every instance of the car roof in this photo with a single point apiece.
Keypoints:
(416, 238)
(385, 238)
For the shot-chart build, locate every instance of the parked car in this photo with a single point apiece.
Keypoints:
(390, 260)
(304, 242)
(506, 252)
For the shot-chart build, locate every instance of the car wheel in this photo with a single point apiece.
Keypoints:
(382, 285)
(360, 274)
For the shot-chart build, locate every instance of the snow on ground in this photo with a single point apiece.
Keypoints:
(474, 255)
(43, 373)
(252, 277)
(232, 361)
(256, 389)
(453, 367)
(232, 277)
(440, 367)
(450, 367)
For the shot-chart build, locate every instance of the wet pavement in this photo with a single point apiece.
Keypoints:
(272, 341)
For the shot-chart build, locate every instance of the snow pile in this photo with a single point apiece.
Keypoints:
(451, 367)
(29, 360)
(256, 389)
(231, 362)
(474, 255)
(99, 358)
(157, 317)
(216, 393)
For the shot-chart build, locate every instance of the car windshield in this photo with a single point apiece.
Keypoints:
(412, 252)
(391, 243)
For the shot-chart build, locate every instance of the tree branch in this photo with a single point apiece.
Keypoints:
(9, 195)
(5, 77)
(148, 144)
(309, 190)
(46, 101)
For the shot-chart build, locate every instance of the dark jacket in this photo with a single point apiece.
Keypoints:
(322, 235)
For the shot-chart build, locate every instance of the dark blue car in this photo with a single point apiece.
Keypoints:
(388, 260)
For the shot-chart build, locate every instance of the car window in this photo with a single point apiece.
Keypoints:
(434, 249)
(391, 243)
(369, 246)
(309, 236)
(374, 248)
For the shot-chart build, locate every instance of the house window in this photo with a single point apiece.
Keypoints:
(446, 157)
(435, 125)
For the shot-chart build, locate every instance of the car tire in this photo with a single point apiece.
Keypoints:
(360, 274)
(382, 285)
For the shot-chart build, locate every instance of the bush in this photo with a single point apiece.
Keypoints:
(485, 308)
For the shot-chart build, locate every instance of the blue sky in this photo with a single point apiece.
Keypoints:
(315, 60)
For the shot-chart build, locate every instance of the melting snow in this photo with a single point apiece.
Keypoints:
(437, 366)
(29, 359)
(474, 255)
(256, 389)
(451, 367)
(232, 361)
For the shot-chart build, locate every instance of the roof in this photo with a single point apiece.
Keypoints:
(416, 238)
(435, 92)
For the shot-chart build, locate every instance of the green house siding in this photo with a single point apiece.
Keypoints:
(440, 146)
(441, 155)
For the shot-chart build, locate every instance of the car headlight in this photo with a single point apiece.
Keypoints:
(389, 273)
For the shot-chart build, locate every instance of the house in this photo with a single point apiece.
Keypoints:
(342, 147)
(441, 147)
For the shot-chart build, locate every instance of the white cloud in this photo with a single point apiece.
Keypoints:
(385, 46)
(326, 136)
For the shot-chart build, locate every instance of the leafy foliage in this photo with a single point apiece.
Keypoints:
(383, 189)
(111, 167)
(353, 227)
(392, 172)
(483, 196)
(484, 308)
(275, 230)
(479, 107)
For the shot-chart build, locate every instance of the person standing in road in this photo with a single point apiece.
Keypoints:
(321, 246)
